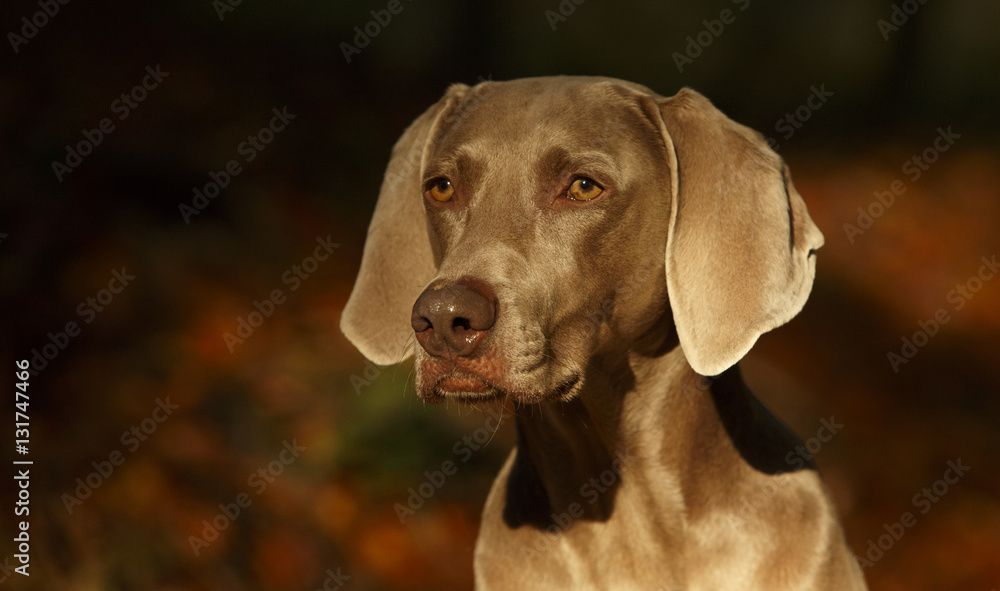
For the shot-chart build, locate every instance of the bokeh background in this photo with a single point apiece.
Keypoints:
(327, 512)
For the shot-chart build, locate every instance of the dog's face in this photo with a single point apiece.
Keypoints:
(550, 205)
(527, 228)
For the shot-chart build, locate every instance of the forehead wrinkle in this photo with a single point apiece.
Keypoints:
(439, 166)
(488, 170)
(449, 161)
(513, 110)
(499, 155)
(558, 160)
(540, 157)
(518, 136)
(550, 165)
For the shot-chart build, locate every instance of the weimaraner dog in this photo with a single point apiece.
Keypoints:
(584, 251)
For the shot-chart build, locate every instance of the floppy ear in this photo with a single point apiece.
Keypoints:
(740, 249)
(397, 262)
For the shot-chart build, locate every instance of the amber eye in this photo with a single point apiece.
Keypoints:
(441, 190)
(584, 189)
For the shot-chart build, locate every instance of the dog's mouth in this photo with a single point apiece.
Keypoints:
(465, 387)
(468, 388)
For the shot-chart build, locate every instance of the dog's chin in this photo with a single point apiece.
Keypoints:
(475, 390)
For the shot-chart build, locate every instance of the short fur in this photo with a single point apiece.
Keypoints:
(631, 471)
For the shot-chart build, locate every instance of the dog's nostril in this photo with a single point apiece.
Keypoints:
(452, 319)
(420, 324)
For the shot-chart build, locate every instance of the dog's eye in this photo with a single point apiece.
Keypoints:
(584, 189)
(441, 190)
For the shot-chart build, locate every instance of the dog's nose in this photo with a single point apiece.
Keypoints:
(451, 320)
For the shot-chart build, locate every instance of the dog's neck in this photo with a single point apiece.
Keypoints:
(639, 414)
(649, 422)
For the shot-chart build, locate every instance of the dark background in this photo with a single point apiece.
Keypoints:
(367, 438)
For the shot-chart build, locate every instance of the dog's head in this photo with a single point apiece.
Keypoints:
(525, 228)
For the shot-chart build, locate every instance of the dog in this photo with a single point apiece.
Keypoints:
(599, 258)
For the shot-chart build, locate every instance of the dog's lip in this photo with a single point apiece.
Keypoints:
(463, 383)
(466, 387)
(463, 388)
(564, 387)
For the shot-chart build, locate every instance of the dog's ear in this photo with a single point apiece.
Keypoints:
(740, 249)
(397, 262)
